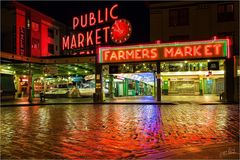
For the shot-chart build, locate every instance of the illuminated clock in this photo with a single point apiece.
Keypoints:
(121, 31)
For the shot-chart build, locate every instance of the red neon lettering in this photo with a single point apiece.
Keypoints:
(99, 17)
(154, 53)
(97, 37)
(106, 14)
(207, 50)
(106, 33)
(168, 52)
(196, 50)
(111, 12)
(145, 53)
(130, 54)
(121, 55)
(65, 42)
(137, 54)
(217, 48)
(178, 52)
(80, 40)
(73, 42)
(82, 52)
(188, 51)
(92, 19)
(105, 55)
(75, 22)
(82, 21)
(113, 56)
(89, 38)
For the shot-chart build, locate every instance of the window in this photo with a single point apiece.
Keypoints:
(50, 33)
(35, 26)
(56, 48)
(178, 17)
(56, 32)
(35, 43)
(179, 38)
(51, 48)
(225, 12)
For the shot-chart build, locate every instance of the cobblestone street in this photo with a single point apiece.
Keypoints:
(118, 131)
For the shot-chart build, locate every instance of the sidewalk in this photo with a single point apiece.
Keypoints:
(166, 100)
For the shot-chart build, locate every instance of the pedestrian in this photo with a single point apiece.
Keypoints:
(42, 96)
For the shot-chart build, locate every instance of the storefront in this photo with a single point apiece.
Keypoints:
(186, 68)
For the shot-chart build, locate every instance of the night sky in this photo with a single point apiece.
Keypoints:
(136, 12)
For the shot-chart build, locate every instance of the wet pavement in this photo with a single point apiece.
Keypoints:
(120, 131)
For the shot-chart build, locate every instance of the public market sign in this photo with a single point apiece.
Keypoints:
(218, 48)
(93, 29)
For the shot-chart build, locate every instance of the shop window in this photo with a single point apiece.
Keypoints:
(35, 26)
(179, 17)
(50, 33)
(225, 12)
(35, 43)
(51, 48)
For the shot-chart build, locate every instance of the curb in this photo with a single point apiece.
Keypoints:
(92, 103)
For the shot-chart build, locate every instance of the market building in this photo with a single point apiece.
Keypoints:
(191, 21)
(97, 58)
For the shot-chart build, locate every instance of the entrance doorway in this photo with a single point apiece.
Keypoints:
(130, 80)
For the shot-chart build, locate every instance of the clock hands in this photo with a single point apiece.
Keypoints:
(118, 29)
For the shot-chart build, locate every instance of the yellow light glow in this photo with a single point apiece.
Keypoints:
(220, 72)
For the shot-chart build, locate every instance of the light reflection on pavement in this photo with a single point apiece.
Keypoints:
(113, 131)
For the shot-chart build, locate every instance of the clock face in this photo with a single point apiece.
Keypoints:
(121, 31)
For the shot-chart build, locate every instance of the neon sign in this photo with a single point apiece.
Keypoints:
(80, 43)
(22, 40)
(166, 51)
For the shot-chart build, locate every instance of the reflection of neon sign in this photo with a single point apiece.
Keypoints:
(165, 51)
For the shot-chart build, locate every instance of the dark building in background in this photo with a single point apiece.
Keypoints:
(189, 21)
(27, 32)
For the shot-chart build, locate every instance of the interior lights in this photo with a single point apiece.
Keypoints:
(69, 72)
(208, 60)
(185, 61)
(75, 68)
(200, 64)
(8, 67)
(86, 71)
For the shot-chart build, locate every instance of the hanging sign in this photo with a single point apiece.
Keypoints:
(22, 41)
(93, 29)
(165, 51)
